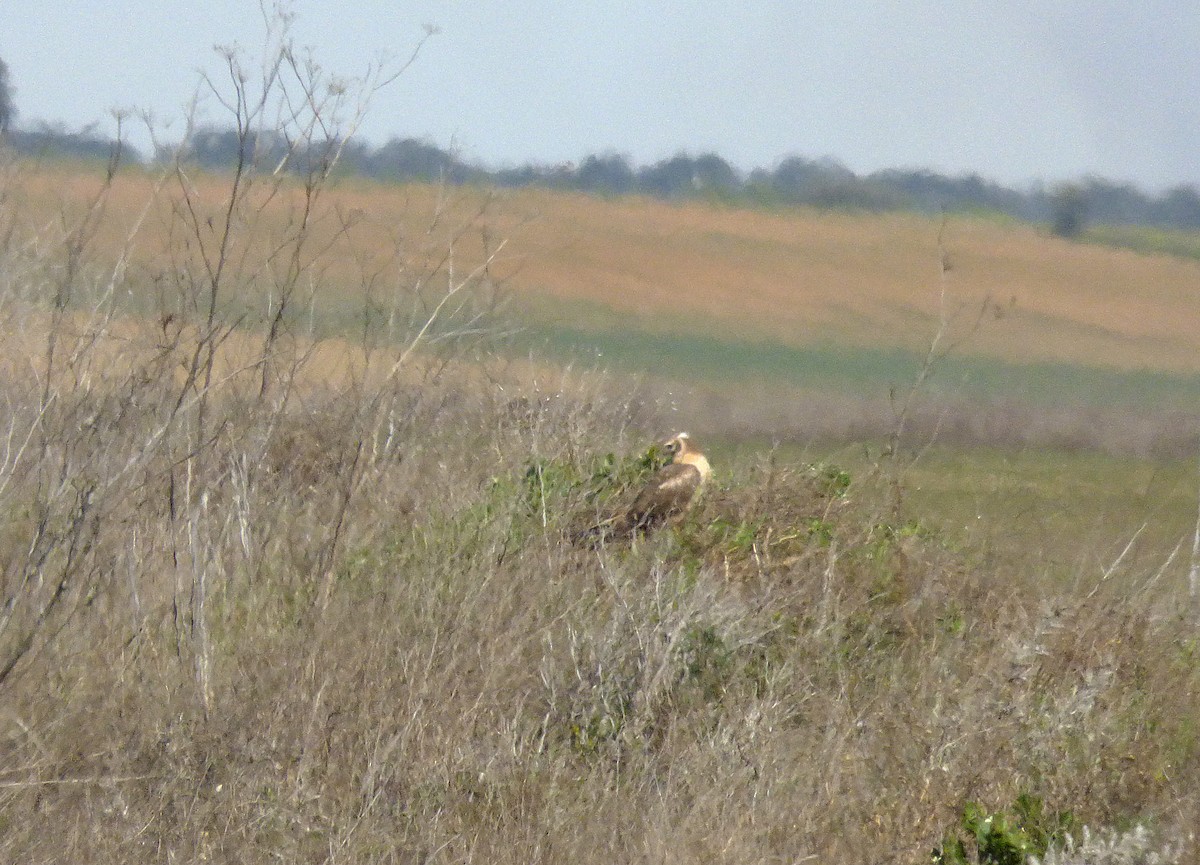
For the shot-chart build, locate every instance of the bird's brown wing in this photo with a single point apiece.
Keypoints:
(668, 493)
(665, 495)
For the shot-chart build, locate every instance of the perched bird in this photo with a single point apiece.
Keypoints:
(665, 496)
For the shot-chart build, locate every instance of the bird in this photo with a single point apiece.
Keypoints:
(665, 497)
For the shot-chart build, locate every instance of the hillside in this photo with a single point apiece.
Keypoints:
(801, 277)
(828, 313)
(813, 278)
(833, 313)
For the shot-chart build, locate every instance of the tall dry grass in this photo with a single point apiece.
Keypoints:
(797, 671)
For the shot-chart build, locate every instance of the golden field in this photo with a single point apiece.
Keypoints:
(802, 277)
(862, 279)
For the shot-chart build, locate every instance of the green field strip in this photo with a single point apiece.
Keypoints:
(707, 358)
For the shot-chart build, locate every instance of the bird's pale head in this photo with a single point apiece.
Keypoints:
(683, 449)
(677, 444)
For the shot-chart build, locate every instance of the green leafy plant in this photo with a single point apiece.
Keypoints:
(820, 531)
(1008, 837)
(835, 481)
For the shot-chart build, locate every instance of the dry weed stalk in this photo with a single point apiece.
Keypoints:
(1194, 570)
(940, 346)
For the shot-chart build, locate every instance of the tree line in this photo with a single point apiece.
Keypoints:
(794, 181)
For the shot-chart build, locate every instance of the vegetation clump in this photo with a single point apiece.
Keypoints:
(1006, 837)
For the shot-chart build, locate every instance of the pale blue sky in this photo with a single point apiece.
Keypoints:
(1016, 90)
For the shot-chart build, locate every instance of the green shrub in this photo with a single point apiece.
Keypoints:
(1004, 837)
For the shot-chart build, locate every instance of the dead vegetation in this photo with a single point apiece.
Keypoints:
(399, 657)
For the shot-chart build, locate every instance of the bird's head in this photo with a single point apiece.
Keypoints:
(677, 444)
(682, 449)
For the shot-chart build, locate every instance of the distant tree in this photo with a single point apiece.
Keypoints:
(808, 181)
(7, 109)
(608, 173)
(54, 140)
(794, 177)
(1069, 210)
(712, 173)
(828, 183)
(759, 189)
(671, 178)
(414, 159)
(856, 194)
(224, 148)
(354, 156)
(1111, 203)
(523, 175)
(935, 193)
(1178, 208)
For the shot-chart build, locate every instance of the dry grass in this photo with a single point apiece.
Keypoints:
(401, 657)
(798, 670)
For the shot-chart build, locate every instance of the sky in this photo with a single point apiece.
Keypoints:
(1018, 91)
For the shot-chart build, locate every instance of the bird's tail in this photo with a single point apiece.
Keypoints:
(609, 529)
